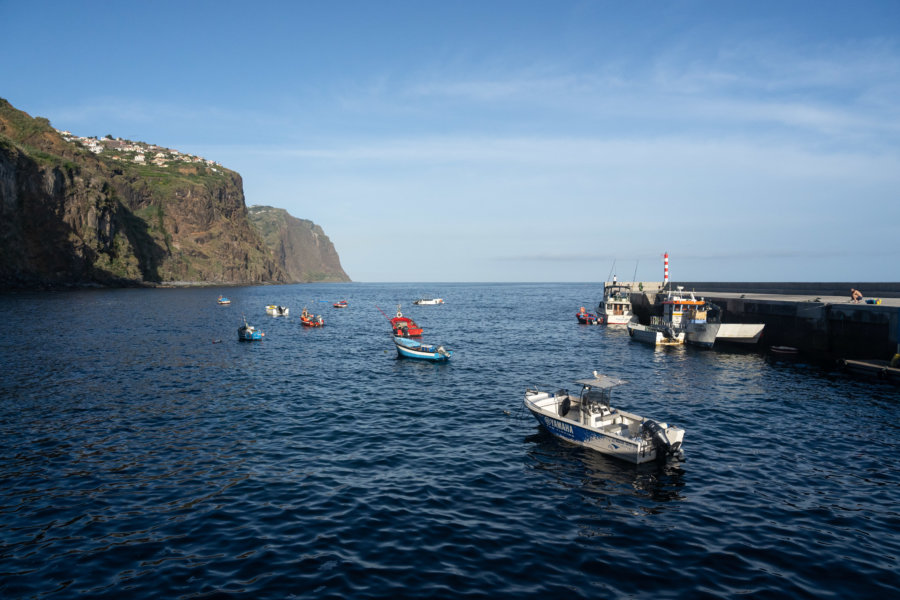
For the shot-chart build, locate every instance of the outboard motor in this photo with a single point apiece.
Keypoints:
(670, 333)
(658, 435)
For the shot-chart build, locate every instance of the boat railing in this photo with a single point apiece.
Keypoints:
(659, 322)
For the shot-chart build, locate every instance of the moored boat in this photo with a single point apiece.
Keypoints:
(277, 311)
(655, 334)
(340, 304)
(587, 318)
(684, 319)
(223, 300)
(249, 333)
(784, 350)
(697, 318)
(307, 319)
(883, 369)
(404, 326)
(588, 420)
(415, 349)
(429, 301)
(615, 308)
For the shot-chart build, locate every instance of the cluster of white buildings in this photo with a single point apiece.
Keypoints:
(142, 153)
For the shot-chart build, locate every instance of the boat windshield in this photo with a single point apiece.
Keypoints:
(598, 397)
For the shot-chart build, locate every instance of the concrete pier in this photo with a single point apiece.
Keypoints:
(817, 318)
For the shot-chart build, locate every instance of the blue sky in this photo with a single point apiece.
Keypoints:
(510, 140)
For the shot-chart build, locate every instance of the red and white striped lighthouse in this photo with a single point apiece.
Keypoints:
(666, 273)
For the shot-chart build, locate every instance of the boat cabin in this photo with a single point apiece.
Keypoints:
(679, 309)
(615, 308)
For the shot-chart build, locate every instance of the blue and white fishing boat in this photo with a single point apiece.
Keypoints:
(249, 333)
(410, 348)
(587, 419)
(223, 300)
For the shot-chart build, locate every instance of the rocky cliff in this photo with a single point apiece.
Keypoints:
(299, 246)
(70, 215)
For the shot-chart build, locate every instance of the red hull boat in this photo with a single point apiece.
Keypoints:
(404, 326)
(307, 319)
(588, 318)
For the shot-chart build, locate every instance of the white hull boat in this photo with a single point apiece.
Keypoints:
(697, 319)
(588, 420)
(277, 311)
(429, 301)
(615, 308)
(701, 333)
(685, 319)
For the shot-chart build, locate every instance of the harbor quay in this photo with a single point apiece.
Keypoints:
(819, 319)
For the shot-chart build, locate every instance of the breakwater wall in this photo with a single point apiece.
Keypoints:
(812, 288)
(816, 318)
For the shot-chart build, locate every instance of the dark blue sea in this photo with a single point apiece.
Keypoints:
(146, 453)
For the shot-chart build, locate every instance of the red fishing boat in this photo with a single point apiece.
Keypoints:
(340, 304)
(307, 319)
(588, 318)
(404, 326)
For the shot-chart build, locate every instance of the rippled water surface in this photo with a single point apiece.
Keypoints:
(148, 454)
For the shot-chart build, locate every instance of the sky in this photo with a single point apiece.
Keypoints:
(510, 140)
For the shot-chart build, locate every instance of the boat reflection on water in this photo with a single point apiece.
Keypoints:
(603, 480)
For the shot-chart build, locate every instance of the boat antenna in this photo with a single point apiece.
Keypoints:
(634, 277)
(611, 269)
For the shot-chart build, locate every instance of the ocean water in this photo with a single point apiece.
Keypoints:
(148, 454)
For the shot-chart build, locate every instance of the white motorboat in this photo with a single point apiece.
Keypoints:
(615, 308)
(277, 311)
(429, 301)
(588, 420)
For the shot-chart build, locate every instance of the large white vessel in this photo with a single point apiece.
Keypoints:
(698, 319)
(687, 319)
(615, 308)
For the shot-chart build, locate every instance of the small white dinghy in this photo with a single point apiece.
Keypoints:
(588, 420)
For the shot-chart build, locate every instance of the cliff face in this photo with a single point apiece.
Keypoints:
(70, 216)
(61, 224)
(299, 246)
